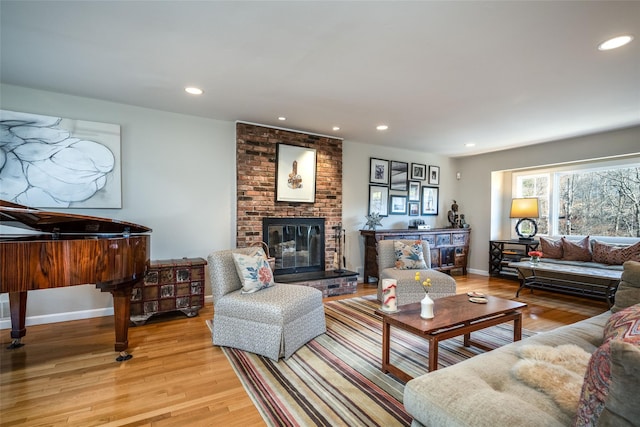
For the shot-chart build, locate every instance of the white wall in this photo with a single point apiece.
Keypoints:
(475, 185)
(178, 177)
(355, 200)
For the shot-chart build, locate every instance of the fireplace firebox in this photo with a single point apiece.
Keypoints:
(296, 243)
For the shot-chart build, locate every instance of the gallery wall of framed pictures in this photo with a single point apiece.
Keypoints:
(403, 188)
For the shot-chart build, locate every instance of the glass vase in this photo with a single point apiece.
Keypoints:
(534, 260)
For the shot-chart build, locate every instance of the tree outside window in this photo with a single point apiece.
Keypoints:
(596, 202)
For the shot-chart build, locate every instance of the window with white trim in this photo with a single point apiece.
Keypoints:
(586, 200)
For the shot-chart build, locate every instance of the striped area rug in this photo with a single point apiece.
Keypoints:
(336, 380)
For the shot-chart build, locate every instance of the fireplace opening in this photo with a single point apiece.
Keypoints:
(296, 243)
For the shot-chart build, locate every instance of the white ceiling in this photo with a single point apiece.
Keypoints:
(439, 73)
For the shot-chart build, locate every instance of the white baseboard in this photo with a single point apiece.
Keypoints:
(60, 317)
(5, 323)
(480, 272)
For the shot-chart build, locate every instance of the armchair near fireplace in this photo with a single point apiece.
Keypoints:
(273, 322)
(407, 289)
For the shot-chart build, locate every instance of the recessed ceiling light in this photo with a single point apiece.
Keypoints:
(382, 127)
(193, 90)
(470, 144)
(336, 128)
(615, 42)
(281, 118)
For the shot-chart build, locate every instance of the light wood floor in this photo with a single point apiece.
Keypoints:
(66, 374)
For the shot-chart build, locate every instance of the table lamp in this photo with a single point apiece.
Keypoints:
(525, 208)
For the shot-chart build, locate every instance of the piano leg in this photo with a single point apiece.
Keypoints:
(18, 307)
(121, 312)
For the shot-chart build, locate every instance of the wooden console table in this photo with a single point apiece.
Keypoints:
(449, 247)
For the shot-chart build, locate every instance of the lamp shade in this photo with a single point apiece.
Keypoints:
(526, 207)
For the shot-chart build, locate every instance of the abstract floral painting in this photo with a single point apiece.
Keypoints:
(53, 162)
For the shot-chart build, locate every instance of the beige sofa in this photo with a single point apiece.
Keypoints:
(483, 391)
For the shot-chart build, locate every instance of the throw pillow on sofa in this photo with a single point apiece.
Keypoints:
(602, 372)
(409, 257)
(254, 271)
(606, 372)
(576, 250)
(625, 324)
(551, 248)
(628, 292)
(621, 407)
(615, 255)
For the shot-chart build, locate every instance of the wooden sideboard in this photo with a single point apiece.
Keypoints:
(449, 247)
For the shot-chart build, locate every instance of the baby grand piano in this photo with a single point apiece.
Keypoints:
(77, 250)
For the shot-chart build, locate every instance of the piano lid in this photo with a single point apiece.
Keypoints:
(20, 216)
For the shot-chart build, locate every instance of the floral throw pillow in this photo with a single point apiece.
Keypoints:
(576, 251)
(409, 256)
(254, 271)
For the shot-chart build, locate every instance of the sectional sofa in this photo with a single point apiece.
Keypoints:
(484, 390)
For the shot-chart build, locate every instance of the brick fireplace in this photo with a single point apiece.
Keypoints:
(256, 183)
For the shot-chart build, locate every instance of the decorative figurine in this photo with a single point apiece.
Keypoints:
(373, 220)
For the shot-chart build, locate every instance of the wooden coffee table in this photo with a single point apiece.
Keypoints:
(454, 315)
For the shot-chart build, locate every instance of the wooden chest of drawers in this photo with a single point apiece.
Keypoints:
(169, 285)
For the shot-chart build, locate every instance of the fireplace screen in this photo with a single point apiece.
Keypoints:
(296, 243)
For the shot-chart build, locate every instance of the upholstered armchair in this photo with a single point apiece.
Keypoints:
(273, 322)
(408, 290)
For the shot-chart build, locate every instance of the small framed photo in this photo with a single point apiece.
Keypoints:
(414, 208)
(398, 205)
(430, 200)
(378, 171)
(414, 191)
(434, 175)
(379, 200)
(418, 171)
(399, 175)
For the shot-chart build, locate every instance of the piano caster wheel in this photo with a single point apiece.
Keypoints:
(123, 356)
(15, 344)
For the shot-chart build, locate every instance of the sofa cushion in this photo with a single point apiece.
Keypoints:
(620, 407)
(625, 324)
(409, 256)
(576, 250)
(595, 387)
(587, 264)
(254, 271)
(615, 254)
(551, 248)
(599, 380)
(628, 292)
